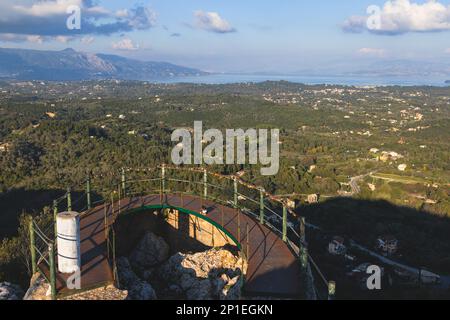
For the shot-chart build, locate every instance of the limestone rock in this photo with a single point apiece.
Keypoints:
(9, 291)
(200, 290)
(213, 274)
(150, 252)
(105, 293)
(39, 289)
(137, 288)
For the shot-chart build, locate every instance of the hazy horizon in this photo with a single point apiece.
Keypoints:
(231, 36)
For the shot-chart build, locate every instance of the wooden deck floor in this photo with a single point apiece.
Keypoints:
(272, 270)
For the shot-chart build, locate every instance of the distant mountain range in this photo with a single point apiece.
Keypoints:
(381, 68)
(69, 65)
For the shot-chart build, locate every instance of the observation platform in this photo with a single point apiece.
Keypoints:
(273, 268)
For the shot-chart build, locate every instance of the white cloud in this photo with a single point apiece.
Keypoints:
(87, 40)
(403, 16)
(63, 39)
(372, 52)
(47, 18)
(47, 8)
(35, 39)
(125, 44)
(212, 21)
(122, 13)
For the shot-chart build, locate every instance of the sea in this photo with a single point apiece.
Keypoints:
(225, 78)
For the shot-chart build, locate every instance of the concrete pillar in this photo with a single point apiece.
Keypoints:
(68, 240)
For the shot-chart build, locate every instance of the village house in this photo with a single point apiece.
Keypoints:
(313, 198)
(336, 247)
(292, 203)
(387, 245)
(4, 147)
(239, 174)
(391, 155)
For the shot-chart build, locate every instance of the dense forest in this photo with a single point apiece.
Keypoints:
(52, 135)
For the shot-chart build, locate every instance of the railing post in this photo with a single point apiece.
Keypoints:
(331, 290)
(284, 223)
(239, 225)
(163, 178)
(69, 200)
(205, 184)
(247, 235)
(114, 255)
(302, 245)
(51, 256)
(32, 247)
(88, 192)
(105, 220)
(302, 230)
(261, 206)
(235, 192)
(120, 198)
(304, 256)
(55, 214)
(123, 179)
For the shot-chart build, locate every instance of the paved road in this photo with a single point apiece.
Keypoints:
(356, 189)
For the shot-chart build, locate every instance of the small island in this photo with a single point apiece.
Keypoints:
(447, 82)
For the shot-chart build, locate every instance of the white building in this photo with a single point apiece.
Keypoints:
(336, 247)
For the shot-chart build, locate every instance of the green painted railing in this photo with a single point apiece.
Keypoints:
(252, 200)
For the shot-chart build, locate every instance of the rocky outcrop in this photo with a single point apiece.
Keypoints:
(39, 289)
(109, 293)
(9, 291)
(150, 252)
(214, 274)
(137, 288)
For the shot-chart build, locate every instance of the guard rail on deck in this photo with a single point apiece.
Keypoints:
(231, 191)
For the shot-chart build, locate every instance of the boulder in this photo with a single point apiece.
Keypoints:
(137, 288)
(200, 290)
(9, 291)
(213, 274)
(150, 252)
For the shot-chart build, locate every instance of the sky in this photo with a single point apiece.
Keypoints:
(236, 35)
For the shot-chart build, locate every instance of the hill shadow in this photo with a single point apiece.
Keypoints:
(17, 201)
(424, 238)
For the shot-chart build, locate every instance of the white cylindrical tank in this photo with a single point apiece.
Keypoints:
(68, 241)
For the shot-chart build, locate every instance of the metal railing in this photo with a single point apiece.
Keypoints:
(231, 191)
